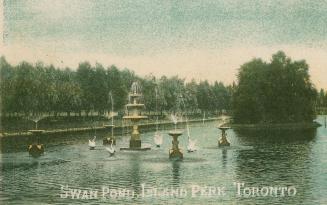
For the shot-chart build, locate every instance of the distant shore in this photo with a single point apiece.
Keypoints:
(167, 125)
(118, 129)
(300, 125)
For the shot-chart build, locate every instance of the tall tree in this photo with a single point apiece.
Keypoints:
(271, 92)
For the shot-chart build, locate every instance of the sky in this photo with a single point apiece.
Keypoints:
(191, 39)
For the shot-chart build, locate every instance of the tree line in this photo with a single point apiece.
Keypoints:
(33, 89)
(265, 92)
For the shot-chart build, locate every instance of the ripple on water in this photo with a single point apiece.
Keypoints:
(30, 163)
(167, 160)
(250, 160)
(232, 147)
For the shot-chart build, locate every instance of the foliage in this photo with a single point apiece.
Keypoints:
(33, 89)
(274, 92)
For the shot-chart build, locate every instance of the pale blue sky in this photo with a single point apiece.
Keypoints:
(194, 39)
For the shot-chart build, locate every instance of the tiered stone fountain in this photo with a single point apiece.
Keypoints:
(134, 108)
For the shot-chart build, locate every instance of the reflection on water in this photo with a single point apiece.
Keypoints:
(135, 174)
(224, 157)
(256, 158)
(175, 172)
(278, 158)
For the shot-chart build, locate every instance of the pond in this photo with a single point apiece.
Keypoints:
(265, 161)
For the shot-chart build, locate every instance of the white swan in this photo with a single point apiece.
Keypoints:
(191, 147)
(92, 143)
(158, 139)
(111, 149)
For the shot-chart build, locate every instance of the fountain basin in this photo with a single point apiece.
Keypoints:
(175, 132)
(224, 128)
(135, 145)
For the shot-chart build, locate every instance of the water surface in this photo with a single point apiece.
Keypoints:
(256, 158)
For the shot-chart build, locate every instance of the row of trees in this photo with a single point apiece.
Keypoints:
(266, 92)
(33, 89)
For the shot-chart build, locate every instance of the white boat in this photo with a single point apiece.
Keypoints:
(92, 143)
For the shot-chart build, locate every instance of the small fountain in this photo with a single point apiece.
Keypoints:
(157, 135)
(191, 147)
(204, 117)
(36, 149)
(111, 140)
(222, 142)
(36, 119)
(175, 153)
(134, 108)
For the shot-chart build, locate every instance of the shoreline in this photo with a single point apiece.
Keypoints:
(168, 124)
(117, 129)
(287, 126)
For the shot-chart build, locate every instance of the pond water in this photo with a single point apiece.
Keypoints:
(296, 160)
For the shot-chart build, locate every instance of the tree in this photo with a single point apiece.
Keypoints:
(222, 96)
(172, 89)
(7, 75)
(84, 76)
(100, 88)
(275, 92)
(118, 86)
(149, 87)
(205, 96)
(190, 96)
(26, 89)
